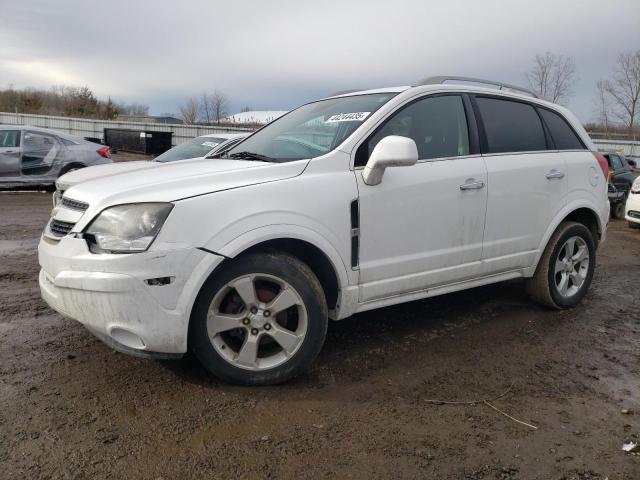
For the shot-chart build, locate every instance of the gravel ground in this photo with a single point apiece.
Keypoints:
(72, 408)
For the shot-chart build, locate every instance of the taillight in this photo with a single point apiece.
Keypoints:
(603, 164)
(104, 152)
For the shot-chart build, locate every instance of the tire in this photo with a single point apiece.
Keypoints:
(70, 168)
(546, 285)
(233, 333)
(618, 210)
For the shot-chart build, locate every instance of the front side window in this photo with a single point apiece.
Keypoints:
(563, 135)
(437, 124)
(311, 130)
(511, 126)
(9, 138)
(198, 147)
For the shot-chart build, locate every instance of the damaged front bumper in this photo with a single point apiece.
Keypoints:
(136, 303)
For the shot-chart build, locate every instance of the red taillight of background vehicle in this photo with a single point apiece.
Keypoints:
(104, 152)
(603, 164)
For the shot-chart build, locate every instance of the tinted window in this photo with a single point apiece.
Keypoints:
(9, 138)
(438, 125)
(563, 135)
(511, 126)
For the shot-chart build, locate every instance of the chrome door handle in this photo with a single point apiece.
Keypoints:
(554, 174)
(472, 184)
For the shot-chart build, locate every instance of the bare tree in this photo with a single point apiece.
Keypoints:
(603, 106)
(553, 76)
(206, 107)
(624, 88)
(219, 103)
(189, 111)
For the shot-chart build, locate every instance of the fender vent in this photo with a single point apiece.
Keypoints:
(355, 233)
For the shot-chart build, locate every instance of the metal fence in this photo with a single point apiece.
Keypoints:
(627, 147)
(84, 127)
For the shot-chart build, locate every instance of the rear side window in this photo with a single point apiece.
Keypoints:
(9, 138)
(437, 124)
(615, 162)
(511, 126)
(563, 135)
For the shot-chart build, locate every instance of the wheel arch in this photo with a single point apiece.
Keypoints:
(69, 166)
(308, 246)
(581, 213)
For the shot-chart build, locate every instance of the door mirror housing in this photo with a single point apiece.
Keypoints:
(391, 151)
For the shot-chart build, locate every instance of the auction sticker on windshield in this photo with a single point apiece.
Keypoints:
(348, 117)
(209, 144)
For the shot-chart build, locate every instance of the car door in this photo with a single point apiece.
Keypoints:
(527, 180)
(422, 226)
(40, 153)
(9, 153)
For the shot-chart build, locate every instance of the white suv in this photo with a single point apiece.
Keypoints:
(243, 259)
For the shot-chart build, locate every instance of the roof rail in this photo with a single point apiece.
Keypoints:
(344, 92)
(500, 85)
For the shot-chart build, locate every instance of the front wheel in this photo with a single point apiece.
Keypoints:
(566, 268)
(261, 320)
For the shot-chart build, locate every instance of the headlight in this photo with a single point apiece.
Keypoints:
(635, 188)
(127, 228)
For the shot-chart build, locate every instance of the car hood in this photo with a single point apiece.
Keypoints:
(100, 171)
(168, 182)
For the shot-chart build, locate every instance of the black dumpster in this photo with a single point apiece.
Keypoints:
(137, 141)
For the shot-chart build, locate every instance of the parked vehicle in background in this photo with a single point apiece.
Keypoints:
(38, 156)
(206, 146)
(346, 204)
(201, 146)
(621, 171)
(632, 207)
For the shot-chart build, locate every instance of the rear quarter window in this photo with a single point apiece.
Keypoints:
(511, 126)
(563, 135)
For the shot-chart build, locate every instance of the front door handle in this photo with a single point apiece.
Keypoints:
(554, 174)
(472, 184)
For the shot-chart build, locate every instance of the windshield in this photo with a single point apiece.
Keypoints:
(198, 147)
(311, 130)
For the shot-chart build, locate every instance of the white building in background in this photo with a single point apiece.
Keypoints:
(256, 116)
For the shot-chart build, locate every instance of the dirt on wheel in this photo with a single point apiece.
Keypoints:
(562, 388)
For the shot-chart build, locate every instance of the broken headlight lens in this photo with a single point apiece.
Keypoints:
(127, 228)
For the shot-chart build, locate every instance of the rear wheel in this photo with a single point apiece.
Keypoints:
(618, 209)
(261, 320)
(566, 268)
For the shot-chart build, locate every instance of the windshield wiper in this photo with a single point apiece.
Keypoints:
(252, 156)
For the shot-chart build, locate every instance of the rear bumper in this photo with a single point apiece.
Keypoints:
(110, 295)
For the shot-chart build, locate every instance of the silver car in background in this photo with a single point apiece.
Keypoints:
(31, 156)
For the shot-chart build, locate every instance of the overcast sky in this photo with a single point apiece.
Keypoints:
(279, 54)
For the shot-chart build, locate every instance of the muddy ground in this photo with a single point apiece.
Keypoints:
(72, 408)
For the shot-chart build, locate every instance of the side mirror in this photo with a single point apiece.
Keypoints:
(632, 164)
(391, 151)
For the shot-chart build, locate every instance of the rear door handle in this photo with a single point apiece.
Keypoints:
(472, 184)
(554, 174)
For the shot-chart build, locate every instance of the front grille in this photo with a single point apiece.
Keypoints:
(60, 228)
(634, 214)
(74, 204)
